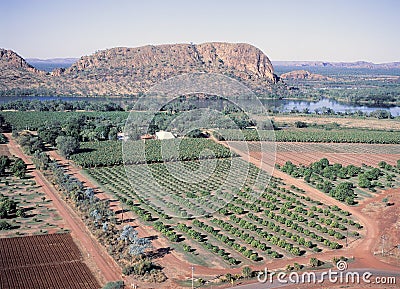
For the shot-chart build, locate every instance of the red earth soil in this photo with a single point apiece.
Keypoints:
(43, 261)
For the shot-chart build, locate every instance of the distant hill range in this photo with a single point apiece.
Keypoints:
(357, 64)
(49, 65)
(128, 71)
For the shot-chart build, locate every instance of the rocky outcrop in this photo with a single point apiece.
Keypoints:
(11, 60)
(304, 75)
(128, 71)
(17, 76)
(58, 71)
(242, 59)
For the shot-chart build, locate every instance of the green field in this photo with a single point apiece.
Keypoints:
(345, 183)
(280, 222)
(312, 135)
(106, 153)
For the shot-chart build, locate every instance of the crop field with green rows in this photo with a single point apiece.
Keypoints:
(312, 135)
(250, 224)
(108, 153)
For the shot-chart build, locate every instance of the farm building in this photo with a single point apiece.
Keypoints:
(122, 136)
(164, 135)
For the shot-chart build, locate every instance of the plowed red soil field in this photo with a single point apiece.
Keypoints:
(43, 261)
(344, 153)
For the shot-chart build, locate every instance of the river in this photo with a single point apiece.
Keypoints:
(281, 105)
(285, 105)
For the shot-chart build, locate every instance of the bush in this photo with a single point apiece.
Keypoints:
(114, 285)
(7, 207)
(5, 226)
(18, 168)
(300, 124)
(20, 213)
(142, 267)
(4, 164)
(246, 272)
(187, 248)
(67, 145)
(314, 262)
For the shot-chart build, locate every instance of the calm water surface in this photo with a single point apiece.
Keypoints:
(281, 105)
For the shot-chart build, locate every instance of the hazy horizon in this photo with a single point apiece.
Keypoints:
(310, 30)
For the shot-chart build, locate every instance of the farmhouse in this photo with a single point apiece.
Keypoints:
(164, 135)
(122, 136)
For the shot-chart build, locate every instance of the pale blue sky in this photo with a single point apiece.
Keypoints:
(334, 30)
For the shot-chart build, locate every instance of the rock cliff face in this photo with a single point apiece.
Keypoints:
(210, 57)
(16, 74)
(128, 71)
(10, 60)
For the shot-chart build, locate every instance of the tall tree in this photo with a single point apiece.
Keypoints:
(18, 168)
(49, 132)
(7, 207)
(67, 145)
(4, 164)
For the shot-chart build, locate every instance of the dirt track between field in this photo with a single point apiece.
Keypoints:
(94, 254)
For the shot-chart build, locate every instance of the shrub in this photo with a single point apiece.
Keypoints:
(246, 272)
(300, 124)
(5, 226)
(114, 285)
(314, 262)
(67, 145)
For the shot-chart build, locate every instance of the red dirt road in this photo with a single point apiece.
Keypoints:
(107, 270)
